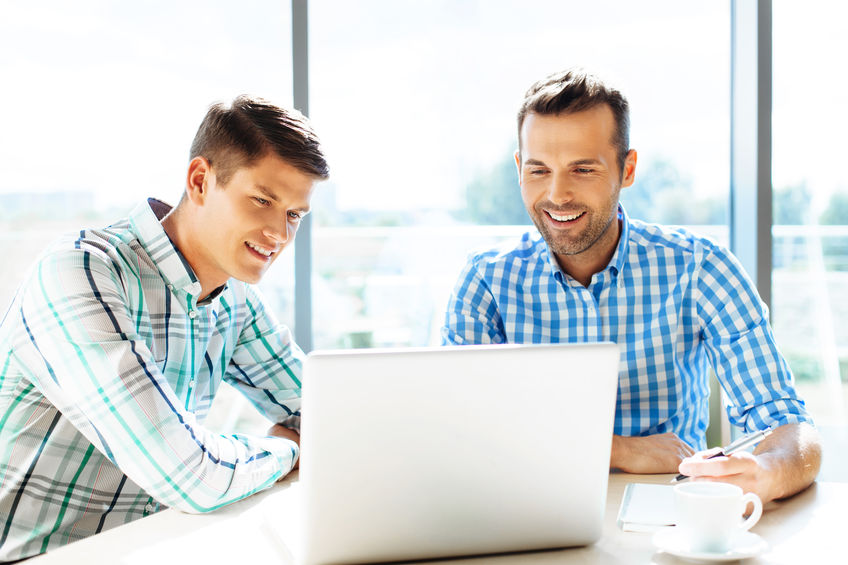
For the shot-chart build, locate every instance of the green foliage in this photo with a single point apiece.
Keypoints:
(791, 205)
(494, 197)
(662, 195)
(805, 367)
(835, 250)
(836, 213)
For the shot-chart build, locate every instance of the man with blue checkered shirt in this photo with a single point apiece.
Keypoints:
(675, 302)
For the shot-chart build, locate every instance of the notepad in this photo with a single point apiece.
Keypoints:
(646, 507)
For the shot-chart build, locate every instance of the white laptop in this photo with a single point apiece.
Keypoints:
(435, 452)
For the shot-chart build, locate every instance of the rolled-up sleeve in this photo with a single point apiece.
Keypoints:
(740, 345)
(267, 364)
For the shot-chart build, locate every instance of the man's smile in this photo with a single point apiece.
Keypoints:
(263, 252)
(564, 217)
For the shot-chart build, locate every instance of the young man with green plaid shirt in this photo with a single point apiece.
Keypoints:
(118, 340)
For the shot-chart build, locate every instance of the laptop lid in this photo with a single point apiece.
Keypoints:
(434, 452)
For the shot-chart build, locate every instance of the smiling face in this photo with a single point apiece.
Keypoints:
(570, 183)
(237, 230)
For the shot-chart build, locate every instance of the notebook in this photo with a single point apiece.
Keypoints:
(646, 507)
(436, 452)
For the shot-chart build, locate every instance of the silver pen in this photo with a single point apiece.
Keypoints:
(742, 443)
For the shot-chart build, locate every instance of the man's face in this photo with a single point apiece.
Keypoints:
(570, 180)
(244, 225)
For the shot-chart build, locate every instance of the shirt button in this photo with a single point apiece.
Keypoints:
(192, 314)
(148, 508)
(171, 287)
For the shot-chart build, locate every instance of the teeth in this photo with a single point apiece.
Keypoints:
(262, 250)
(565, 218)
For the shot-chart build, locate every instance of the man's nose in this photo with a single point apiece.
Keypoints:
(279, 232)
(561, 190)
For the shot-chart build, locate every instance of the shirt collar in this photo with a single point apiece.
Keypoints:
(618, 259)
(175, 270)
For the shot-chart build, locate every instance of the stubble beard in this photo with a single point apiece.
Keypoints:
(565, 245)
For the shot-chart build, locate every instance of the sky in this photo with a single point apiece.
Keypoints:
(810, 94)
(413, 99)
(106, 96)
(434, 98)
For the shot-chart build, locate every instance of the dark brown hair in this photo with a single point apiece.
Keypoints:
(575, 90)
(240, 134)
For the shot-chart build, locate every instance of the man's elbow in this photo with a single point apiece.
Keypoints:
(810, 450)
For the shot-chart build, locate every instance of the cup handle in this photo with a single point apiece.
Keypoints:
(748, 523)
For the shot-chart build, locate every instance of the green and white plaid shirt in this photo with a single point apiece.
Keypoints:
(108, 367)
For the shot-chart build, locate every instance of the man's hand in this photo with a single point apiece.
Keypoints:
(746, 470)
(281, 431)
(784, 463)
(661, 453)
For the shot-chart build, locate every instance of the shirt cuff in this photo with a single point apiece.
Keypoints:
(284, 450)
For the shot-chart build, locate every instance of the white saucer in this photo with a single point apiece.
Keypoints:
(744, 545)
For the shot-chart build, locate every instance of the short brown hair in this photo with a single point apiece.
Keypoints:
(239, 134)
(575, 90)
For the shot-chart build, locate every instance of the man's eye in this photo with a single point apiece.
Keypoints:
(584, 170)
(295, 216)
(537, 172)
(261, 201)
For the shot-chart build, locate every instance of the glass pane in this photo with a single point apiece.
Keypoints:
(100, 103)
(417, 103)
(810, 275)
(102, 99)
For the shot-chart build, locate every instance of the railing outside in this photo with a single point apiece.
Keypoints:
(388, 287)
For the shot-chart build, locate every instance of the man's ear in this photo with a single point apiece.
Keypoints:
(629, 169)
(199, 180)
(518, 164)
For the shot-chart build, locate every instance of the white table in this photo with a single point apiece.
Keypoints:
(808, 529)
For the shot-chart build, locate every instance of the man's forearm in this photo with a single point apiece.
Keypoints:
(660, 453)
(279, 430)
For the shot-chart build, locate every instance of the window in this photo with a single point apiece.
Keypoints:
(100, 102)
(416, 103)
(102, 99)
(810, 276)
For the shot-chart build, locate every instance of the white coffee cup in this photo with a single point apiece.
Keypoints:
(710, 514)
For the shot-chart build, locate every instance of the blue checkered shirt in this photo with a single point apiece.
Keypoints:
(676, 304)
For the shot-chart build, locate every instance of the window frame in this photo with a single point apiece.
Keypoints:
(750, 148)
